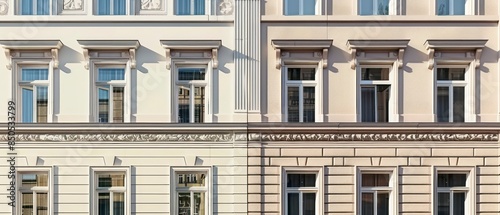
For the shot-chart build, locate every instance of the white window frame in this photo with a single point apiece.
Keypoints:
(469, 8)
(317, 11)
(111, 84)
(202, 64)
(207, 189)
(470, 204)
(95, 190)
(392, 188)
(191, 10)
(450, 84)
(318, 189)
(20, 85)
(35, 8)
(48, 190)
(394, 7)
(393, 93)
(111, 12)
(316, 83)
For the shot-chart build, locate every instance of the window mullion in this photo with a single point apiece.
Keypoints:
(450, 102)
(301, 103)
(35, 203)
(451, 201)
(111, 208)
(110, 103)
(191, 103)
(191, 202)
(300, 203)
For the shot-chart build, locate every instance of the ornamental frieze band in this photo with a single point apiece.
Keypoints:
(228, 137)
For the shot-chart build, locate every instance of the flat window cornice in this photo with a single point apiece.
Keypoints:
(191, 44)
(302, 44)
(455, 44)
(377, 44)
(109, 44)
(31, 44)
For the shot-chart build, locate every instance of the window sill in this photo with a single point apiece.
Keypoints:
(376, 18)
(117, 18)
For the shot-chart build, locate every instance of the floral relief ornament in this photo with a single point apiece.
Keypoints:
(150, 4)
(4, 7)
(226, 7)
(72, 4)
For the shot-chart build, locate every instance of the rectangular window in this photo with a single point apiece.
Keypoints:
(453, 192)
(34, 7)
(34, 83)
(111, 7)
(450, 95)
(301, 192)
(300, 7)
(110, 193)
(191, 84)
(191, 192)
(190, 7)
(376, 7)
(452, 7)
(34, 193)
(376, 193)
(375, 94)
(110, 91)
(300, 91)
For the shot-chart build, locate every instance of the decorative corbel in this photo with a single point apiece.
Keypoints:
(168, 55)
(430, 54)
(133, 62)
(354, 61)
(400, 58)
(325, 58)
(87, 58)
(55, 57)
(278, 58)
(478, 57)
(215, 58)
(9, 59)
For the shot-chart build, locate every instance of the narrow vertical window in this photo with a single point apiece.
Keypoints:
(452, 7)
(111, 7)
(300, 7)
(300, 94)
(110, 91)
(190, 7)
(376, 193)
(301, 193)
(34, 7)
(453, 196)
(110, 193)
(376, 7)
(191, 192)
(34, 193)
(375, 94)
(450, 94)
(34, 92)
(191, 84)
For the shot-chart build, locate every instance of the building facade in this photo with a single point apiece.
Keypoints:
(296, 107)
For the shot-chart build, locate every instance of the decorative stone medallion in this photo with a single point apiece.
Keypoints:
(150, 4)
(226, 7)
(73, 5)
(4, 7)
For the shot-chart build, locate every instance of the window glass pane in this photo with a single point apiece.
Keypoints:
(375, 180)
(443, 204)
(292, 7)
(111, 74)
(458, 104)
(375, 74)
(448, 74)
(452, 180)
(293, 104)
(27, 105)
(103, 105)
(193, 179)
(184, 201)
(104, 204)
(365, 7)
(458, 7)
(458, 203)
(34, 74)
(304, 74)
(368, 104)
(309, 7)
(41, 104)
(199, 7)
(443, 104)
(27, 203)
(111, 180)
(104, 7)
(293, 204)
(199, 203)
(382, 203)
(119, 7)
(27, 7)
(117, 104)
(188, 74)
(199, 104)
(443, 7)
(43, 7)
(183, 7)
(309, 104)
(42, 203)
(301, 180)
(183, 104)
(118, 203)
(383, 92)
(309, 204)
(367, 204)
(34, 180)
(382, 7)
